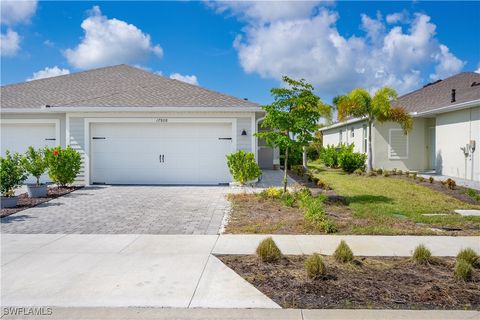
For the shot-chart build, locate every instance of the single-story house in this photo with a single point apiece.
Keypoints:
(133, 127)
(445, 135)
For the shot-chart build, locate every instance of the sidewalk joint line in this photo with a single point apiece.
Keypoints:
(203, 271)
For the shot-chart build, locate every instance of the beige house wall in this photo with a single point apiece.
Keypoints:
(453, 131)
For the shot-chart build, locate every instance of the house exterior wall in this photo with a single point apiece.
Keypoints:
(417, 158)
(453, 131)
(76, 129)
(332, 136)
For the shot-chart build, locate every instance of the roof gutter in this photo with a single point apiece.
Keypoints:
(343, 123)
(445, 109)
(44, 109)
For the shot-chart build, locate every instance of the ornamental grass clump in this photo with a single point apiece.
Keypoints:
(421, 255)
(469, 255)
(268, 251)
(463, 270)
(343, 253)
(315, 266)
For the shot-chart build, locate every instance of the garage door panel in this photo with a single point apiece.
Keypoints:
(17, 137)
(129, 154)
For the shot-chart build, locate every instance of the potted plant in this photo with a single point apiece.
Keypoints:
(36, 164)
(12, 175)
(243, 168)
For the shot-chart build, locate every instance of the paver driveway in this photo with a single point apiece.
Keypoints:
(126, 210)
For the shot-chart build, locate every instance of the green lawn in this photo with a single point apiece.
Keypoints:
(384, 199)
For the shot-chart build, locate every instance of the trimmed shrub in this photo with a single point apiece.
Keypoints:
(449, 183)
(463, 270)
(399, 172)
(343, 253)
(359, 172)
(271, 193)
(328, 226)
(421, 179)
(63, 164)
(386, 173)
(314, 210)
(351, 161)
(315, 266)
(469, 255)
(431, 180)
(287, 199)
(422, 255)
(330, 155)
(12, 173)
(35, 162)
(268, 251)
(243, 166)
(323, 185)
(379, 171)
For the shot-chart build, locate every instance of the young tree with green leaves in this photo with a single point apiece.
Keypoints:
(358, 103)
(291, 118)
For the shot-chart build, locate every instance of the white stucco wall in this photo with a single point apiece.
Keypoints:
(453, 131)
(332, 136)
(417, 158)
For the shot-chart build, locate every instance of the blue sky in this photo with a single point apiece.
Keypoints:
(243, 49)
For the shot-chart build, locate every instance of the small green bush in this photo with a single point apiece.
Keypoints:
(422, 255)
(302, 194)
(379, 171)
(463, 270)
(35, 162)
(343, 253)
(322, 184)
(372, 174)
(386, 173)
(299, 170)
(421, 179)
(351, 161)
(468, 255)
(449, 183)
(63, 164)
(314, 209)
(359, 172)
(329, 156)
(271, 193)
(243, 166)
(473, 194)
(407, 173)
(431, 180)
(414, 175)
(287, 199)
(394, 171)
(12, 173)
(328, 226)
(400, 172)
(315, 266)
(268, 251)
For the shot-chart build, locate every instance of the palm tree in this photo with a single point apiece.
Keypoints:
(358, 103)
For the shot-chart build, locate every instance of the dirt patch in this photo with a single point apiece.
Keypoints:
(378, 283)
(253, 214)
(25, 202)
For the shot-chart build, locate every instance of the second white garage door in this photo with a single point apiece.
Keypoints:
(153, 153)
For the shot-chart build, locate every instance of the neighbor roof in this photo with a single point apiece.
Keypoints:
(439, 94)
(115, 86)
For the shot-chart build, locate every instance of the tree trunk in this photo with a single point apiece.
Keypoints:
(285, 164)
(304, 158)
(369, 153)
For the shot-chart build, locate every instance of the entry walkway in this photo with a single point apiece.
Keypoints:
(461, 182)
(164, 271)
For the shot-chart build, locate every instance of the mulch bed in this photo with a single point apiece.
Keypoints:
(373, 282)
(25, 202)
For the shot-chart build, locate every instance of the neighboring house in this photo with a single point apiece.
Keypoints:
(132, 126)
(445, 135)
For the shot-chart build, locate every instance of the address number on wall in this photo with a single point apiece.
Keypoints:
(160, 120)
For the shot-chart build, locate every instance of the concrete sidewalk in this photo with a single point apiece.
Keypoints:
(170, 271)
(247, 314)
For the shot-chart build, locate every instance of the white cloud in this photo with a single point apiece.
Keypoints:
(397, 17)
(48, 72)
(309, 45)
(478, 70)
(109, 42)
(18, 11)
(14, 12)
(185, 78)
(447, 65)
(9, 43)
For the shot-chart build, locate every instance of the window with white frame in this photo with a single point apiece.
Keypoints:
(352, 132)
(340, 139)
(397, 144)
(365, 139)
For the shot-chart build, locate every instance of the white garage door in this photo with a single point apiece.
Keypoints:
(154, 153)
(19, 136)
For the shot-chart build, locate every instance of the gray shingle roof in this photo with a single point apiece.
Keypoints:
(439, 94)
(116, 86)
